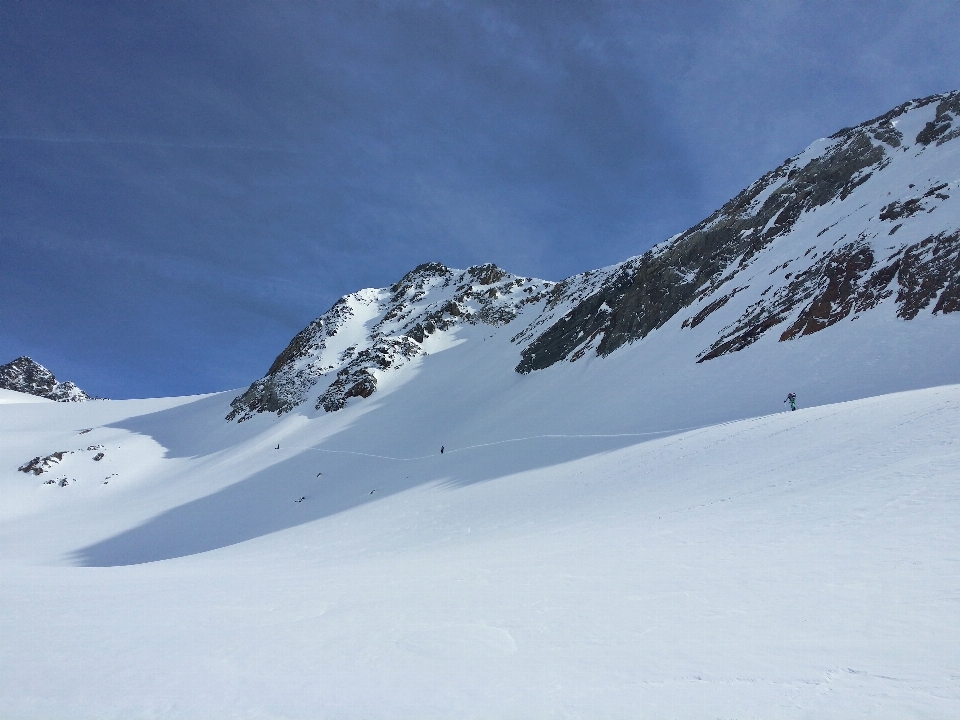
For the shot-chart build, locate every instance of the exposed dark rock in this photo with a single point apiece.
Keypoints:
(430, 298)
(877, 288)
(278, 391)
(416, 278)
(40, 465)
(927, 268)
(842, 273)
(600, 311)
(419, 332)
(939, 129)
(757, 324)
(496, 316)
(357, 378)
(487, 274)
(828, 287)
(27, 376)
(835, 286)
(692, 322)
(412, 287)
(271, 393)
(886, 132)
(581, 325)
(897, 209)
(361, 384)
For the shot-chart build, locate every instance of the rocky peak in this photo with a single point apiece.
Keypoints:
(343, 353)
(27, 376)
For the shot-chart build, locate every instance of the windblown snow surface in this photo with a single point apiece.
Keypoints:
(628, 536)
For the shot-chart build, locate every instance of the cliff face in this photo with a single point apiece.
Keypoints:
(867, 217)
(26, 376)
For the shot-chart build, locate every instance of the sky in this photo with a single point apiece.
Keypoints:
(185, 185)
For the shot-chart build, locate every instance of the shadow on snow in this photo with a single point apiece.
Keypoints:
(266, 501)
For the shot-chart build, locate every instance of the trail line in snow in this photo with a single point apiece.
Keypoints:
(511, 440)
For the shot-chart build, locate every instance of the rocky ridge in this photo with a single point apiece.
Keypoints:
(868, 217)
(839, 269)
(375, 331)
(27, 376)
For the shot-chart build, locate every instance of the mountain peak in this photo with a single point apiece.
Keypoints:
(865, 220)
(25, 375)
(373, 332)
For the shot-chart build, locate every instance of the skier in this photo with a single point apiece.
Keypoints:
(792, 399)
(441, 449)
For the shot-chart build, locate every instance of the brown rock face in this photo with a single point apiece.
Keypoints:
(927, 268)
(842, 274)
(849, 280)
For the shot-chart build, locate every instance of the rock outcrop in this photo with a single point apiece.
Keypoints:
(372, 332)
(26, 376)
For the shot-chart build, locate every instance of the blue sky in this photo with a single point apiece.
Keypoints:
(184, 186)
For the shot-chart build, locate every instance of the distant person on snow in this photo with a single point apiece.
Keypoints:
(441, 449)
(792, 399)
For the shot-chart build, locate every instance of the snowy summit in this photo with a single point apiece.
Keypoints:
(24, 375)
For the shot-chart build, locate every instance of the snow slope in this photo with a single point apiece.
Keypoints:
(792, 565)
(13, 396)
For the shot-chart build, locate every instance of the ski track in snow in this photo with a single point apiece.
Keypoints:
(503, 442)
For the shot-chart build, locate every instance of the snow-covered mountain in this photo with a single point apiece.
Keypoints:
(24, 375)
(868, 217)
(372, 332)
(625, 518)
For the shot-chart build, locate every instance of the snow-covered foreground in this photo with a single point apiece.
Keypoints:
(799, 564)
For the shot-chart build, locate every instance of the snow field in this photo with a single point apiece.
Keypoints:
(794, 565)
